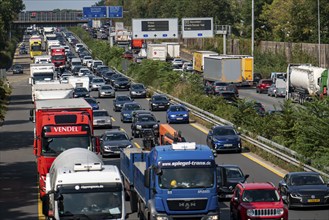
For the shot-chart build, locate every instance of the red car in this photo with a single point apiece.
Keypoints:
(253, 201)
(128, 55)
(263, 85)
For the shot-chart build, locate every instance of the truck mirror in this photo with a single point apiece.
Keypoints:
(158, 171)
(147, 174)
(246, 177)
(58, 197)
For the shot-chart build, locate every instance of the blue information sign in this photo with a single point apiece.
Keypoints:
(115, 12)
(95, 12)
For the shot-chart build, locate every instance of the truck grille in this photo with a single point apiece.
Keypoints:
(266, 212)
(183, 205)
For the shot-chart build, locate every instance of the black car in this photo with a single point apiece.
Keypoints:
(141, 122)
(101, 68)
(228, 96)
(224, 138)
(159, 102)
(119, 101)
(121, 83)
(137, 90)
(80, 92)
(107, 75)
(113, 141)
(304, 189)
(228, 176)
(92, 102)
(114, 77)
(18, 69)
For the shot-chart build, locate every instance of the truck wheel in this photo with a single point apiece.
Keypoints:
(133, 201)
(140, 214)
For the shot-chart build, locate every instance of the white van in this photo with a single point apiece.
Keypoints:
(42, 59)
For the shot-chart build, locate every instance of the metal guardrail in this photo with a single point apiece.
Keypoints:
(271, 147)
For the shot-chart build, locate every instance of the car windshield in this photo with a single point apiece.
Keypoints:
(98, 80)
(18, 67)
(131, 107)
(177, 109)
(87, 57)
(139, 86)
(160, 98)
(91, 101)
(224, 131)
(122, 79)
(233, 173)
(123, 98)
(82, 89)
(186, 178)
(106, 87)
(116, 137)
(146, 118)
(100, 113)
(268, 195)
(306, 180)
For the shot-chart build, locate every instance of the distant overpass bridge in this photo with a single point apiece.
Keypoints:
(61, 18)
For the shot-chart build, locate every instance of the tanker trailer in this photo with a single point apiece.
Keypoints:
(305, 82)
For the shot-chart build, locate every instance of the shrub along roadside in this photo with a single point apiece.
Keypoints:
(300, 129)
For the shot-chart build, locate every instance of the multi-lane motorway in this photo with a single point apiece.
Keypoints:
(19, 193)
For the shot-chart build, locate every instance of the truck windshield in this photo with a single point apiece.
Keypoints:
(186, 178)
(43, 76)
(58, 57)
(56, 145)
(36, 48)
(103, 205)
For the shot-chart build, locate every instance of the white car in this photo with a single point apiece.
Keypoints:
(88, 63)
(85, 59)
(84, 72)
(177, 62)
(187, 66)
(78, 46)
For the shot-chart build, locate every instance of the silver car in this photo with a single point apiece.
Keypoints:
(106, 91)
(102, 118)
(96, 83)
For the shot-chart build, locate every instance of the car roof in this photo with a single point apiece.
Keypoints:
(222, 126)
(257, 186)
(302, 173)
(229, 166)
(115, 131)
(100, 110)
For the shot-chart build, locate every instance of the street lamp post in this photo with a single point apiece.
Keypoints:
(319, 34)
(252, 27)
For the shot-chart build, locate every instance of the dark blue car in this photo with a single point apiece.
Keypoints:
(304, 189)
(93, 103)
(127, 111)
(177, 114)
(224, 138)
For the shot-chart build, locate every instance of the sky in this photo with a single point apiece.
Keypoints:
(39, 5)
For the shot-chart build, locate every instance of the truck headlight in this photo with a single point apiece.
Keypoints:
(185, 115)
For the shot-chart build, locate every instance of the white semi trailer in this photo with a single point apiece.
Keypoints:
(80, 186)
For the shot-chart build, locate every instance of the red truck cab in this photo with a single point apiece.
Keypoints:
(253, 201)
(60, 124)
(58, 57)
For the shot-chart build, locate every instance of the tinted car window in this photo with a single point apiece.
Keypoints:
(177, 109)
(116, 137)
(224, 131)
(100, 113)
(146, 118)
(123, 98)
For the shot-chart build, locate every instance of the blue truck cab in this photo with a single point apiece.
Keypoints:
(171, 182)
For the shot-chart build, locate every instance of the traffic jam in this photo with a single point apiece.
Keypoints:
(160, 174)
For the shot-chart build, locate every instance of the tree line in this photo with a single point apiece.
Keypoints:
(275, 20)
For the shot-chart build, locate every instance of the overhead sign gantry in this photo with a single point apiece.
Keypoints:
(155, 28)
(197, 27)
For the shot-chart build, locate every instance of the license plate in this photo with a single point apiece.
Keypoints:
(313, 200)
(117, 152)
(228, 195)
(179, 118)
(228, 145)
(161, 106)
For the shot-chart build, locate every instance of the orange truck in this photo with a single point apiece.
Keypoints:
(168, 135)
(137, 43)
